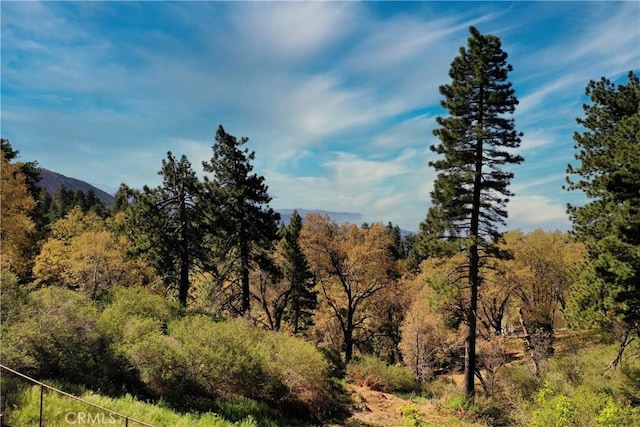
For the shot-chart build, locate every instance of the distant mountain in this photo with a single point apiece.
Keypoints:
(50, 181)
(339, 217)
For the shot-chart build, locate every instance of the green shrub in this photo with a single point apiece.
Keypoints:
(442, 387)
(57, 337)
(519, 381)
(580, 391)
(139, 344)
(630, 387)
(157, 360)
(585, 407)
(374, 373)
(13, 296)
(220, 358)
(304, 373)
(237, 409)
(411, 417)
(135, 312)
(208, 360)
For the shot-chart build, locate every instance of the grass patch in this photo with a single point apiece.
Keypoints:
(369, 371)
(59, 410)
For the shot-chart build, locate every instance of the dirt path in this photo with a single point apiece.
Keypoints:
(374, 408)
(378, 409)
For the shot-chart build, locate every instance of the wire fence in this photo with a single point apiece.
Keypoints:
(75, 418)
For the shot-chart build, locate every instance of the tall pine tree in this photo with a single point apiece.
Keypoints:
(169, 224)
(302, 300)
(248, 225)
(609, 223)
(470, 193)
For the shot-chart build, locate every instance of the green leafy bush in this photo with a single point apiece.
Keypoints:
(577, 390)
(200, 357)
(57, 337)
(302, 371)
(144, 345)
(411, 417)
(133, 313)
(585, 407)
(372, 372)
(519, 381)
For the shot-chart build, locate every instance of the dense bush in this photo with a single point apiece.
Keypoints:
(134, 312)
(57, 336)
(201, 357)
(142, 344)
(372, 372)
(13, 296)
(583, 407)
(576, 389)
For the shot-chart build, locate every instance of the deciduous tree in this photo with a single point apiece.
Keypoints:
(431, 339)
(83, 253)
(539, 276)
(352, 265)
(17, 227)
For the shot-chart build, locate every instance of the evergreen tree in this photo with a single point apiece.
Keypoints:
(169, 224)
(609, 223)
(471, 190)
(65, 199)
(302, 299)
(247, 225)
(397, 246)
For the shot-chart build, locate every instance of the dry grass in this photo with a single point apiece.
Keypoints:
(378, 409)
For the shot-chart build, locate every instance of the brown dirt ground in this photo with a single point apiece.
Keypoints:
(378, 409)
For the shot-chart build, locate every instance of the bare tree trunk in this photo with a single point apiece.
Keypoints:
(474, 264)
(626, 340)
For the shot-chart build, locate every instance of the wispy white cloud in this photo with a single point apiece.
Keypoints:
(537, 211)
(294, 31)
(413, 132)
(338, 99)
(535, 139)
(361, 172)
(536, 183)
(379, 189)
(534, 100)
(612, 38)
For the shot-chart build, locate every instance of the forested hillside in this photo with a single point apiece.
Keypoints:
(196, 296)
(53, 182)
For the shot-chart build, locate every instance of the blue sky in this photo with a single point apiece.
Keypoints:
(338, 99)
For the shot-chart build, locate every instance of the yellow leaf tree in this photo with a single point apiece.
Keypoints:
(540, 276)
(82, 253)
(16, 227)
(432, 339)
(352, 265)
